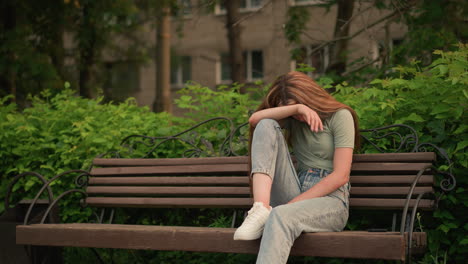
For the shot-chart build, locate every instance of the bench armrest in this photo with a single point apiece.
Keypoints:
(81, 181)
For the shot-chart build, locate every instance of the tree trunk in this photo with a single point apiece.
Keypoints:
(8, 20)
(236, 59)
(339, 49)
(163, 101)
(87, 51)
(57, 51)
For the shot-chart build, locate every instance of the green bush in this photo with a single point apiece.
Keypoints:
(65, 132)
(433, 100)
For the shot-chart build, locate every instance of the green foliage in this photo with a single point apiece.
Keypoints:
(433, 100)
(31, 71)
(65, 132)
(295, 24)
(203, 103)
(429, 28)
(297, 18)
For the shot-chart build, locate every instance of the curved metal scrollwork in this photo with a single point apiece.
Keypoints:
(47, 186)
(238, 136)
(409, 143)
(82, 180)
(23, 175)
(196, 144)
(449, 182)
(52, 205)
(395, 139)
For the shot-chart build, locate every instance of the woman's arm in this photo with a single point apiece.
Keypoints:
(299, 111)
(342, 160)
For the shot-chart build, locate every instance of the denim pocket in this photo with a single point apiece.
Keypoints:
(310, 177)
(342, 194)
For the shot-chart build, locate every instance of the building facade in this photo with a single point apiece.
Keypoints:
(200, 48)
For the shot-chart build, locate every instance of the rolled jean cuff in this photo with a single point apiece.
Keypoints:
(263, 171)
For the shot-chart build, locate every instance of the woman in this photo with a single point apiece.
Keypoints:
(314, 198)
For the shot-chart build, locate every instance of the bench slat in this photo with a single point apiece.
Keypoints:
(241, 169)
(244, 180)
(391, 179)
(396, 157)
(351, 244)
(396, 167)
(226, 191)
(170, 161)
(382, 191)
(149, 202)
(377, 157)
(186, 190)
(232, 180)
(388, 203)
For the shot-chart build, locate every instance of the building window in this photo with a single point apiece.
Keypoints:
(184, 7)
(181, 70)
(225, 68)
(253, 65)
(318, 59)
(306, 2)
(122, 80)
(245, 6)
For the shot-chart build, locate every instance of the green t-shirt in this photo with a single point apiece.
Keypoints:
(316, 149)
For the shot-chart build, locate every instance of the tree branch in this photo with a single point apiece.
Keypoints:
(251, 14)
(361, 67)
(391, 15)
(356, 15)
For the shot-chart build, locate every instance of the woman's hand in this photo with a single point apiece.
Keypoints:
(309, 116)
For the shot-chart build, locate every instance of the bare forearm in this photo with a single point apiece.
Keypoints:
(326, 186)
(276, 113)
(342, 167)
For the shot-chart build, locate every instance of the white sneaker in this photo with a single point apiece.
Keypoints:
(252, 227)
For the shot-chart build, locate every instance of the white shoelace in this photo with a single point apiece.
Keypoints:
(252, 215)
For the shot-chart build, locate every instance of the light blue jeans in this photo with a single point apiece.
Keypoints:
(270, 155)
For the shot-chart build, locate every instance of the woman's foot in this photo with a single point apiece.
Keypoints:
(252, 227)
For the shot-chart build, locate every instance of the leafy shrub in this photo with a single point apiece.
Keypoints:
(433, 100)
(65, 132)
(203, 103)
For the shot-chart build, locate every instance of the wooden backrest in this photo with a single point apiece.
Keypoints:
(378, 181)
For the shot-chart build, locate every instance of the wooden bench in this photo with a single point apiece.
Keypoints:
(380, 182)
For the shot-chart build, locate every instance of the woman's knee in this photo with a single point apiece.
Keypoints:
(281, 215)
(268, 124)
(282, 223)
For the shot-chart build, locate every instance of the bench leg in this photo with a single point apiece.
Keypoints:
(234, 216)
(100, 218)
(394, 222)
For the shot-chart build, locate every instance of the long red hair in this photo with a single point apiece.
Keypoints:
(299, 88)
